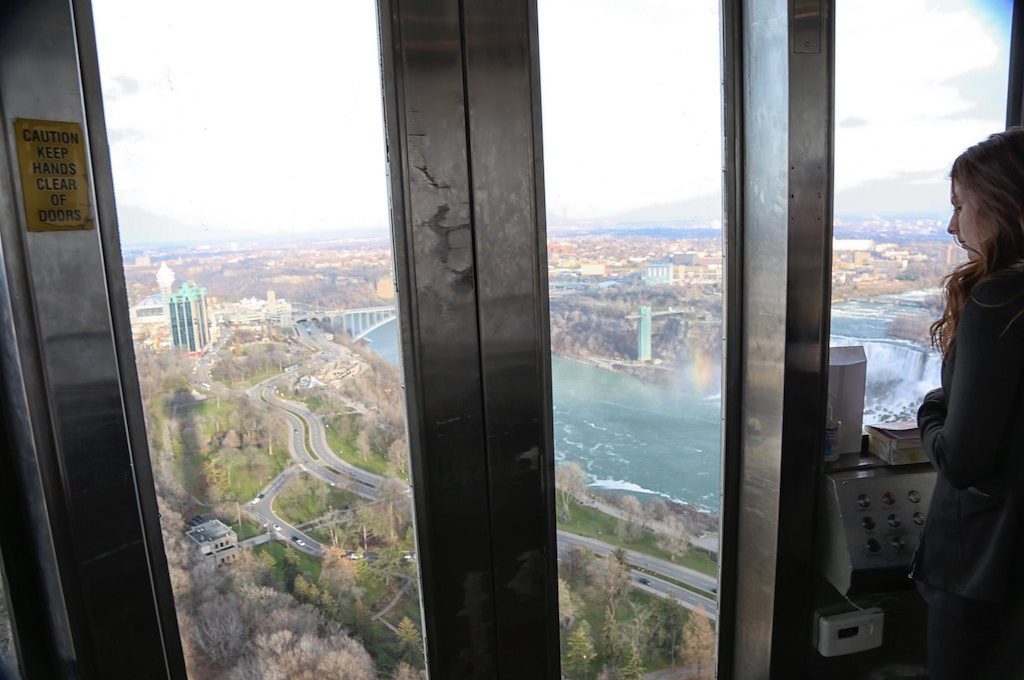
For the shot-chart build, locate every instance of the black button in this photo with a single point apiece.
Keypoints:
(894, 521)
(868, 523)
(913, 496)
(873, 545)
(918, 518)
(863, 501)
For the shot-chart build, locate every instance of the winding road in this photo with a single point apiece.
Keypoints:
(325, 463)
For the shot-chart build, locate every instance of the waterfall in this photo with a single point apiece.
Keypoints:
(899, 374)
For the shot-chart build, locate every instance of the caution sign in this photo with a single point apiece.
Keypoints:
(51, 158)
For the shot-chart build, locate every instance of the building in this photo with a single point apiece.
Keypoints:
(215, 540)
(659, 273)
(149, 321)
(150, 318)
(255, 312)
(190, 320)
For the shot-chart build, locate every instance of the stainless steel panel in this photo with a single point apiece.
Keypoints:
(44, 639)
(806, 33)
(786, 241)
(510, 241)
(870, 520)
(104, 569)
(765, 229)
(422, 63)
(117, 295)
(733, 337)
(808, 300)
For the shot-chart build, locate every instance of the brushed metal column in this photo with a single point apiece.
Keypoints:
(462, 109)
(503, 95)
(431, 195)
(63, 383)
(782, 278)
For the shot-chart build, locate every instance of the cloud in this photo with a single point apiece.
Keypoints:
(210, 127)
(926, 83)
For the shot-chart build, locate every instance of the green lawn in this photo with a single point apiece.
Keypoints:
(240, 473)
(248, 529)
(346, 448)
(587, 521)
(299, 501)
(309, 567)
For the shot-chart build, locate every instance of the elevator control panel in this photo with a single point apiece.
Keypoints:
(871, 518)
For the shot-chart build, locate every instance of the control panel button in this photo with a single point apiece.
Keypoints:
(894, 520)
(888, 498)
(873, 545)
(918, 518)
(913, 496)
(863, 501)
(868, 523)
(898, 542)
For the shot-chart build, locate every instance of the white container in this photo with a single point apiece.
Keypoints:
(847, 376)
(850, 632)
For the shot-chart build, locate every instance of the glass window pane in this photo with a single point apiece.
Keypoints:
(903, 114)
(633, 169)
(249, 166)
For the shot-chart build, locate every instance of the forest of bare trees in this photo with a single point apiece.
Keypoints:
(270, 614)
(611, 632)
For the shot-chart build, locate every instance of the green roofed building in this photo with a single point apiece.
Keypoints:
(190, 321)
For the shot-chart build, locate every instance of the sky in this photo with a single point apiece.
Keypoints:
(232, 119)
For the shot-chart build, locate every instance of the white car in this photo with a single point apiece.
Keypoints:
(254, 501)
(277, 527)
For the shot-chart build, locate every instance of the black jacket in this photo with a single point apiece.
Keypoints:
(973, 431)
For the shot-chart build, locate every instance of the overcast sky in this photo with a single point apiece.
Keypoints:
(231, 118)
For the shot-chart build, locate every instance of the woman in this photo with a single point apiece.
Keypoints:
(969, 565)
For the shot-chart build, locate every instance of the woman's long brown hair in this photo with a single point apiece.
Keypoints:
(993, 172)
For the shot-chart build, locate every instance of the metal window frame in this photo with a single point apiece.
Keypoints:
(1015, 84)
(462, 111)
(81, 464)
(778, 57)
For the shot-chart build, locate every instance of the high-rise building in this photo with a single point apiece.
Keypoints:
(190, 320)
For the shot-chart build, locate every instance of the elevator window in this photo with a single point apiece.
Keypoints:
(917, 82)
(249, 168)
(633, 169)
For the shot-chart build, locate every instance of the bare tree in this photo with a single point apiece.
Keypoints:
(634, 510)
(698, 645)
(218, 629)
(571, 482)
(610, 581)
(568, 604)
(673, 537)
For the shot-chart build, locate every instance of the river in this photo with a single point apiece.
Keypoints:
(654, 440)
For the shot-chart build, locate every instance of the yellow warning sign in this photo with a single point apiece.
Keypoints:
(54, 184)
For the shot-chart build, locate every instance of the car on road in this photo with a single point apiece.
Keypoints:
(254, 501)
(644, 581)
(298, 541)
(277, 527)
